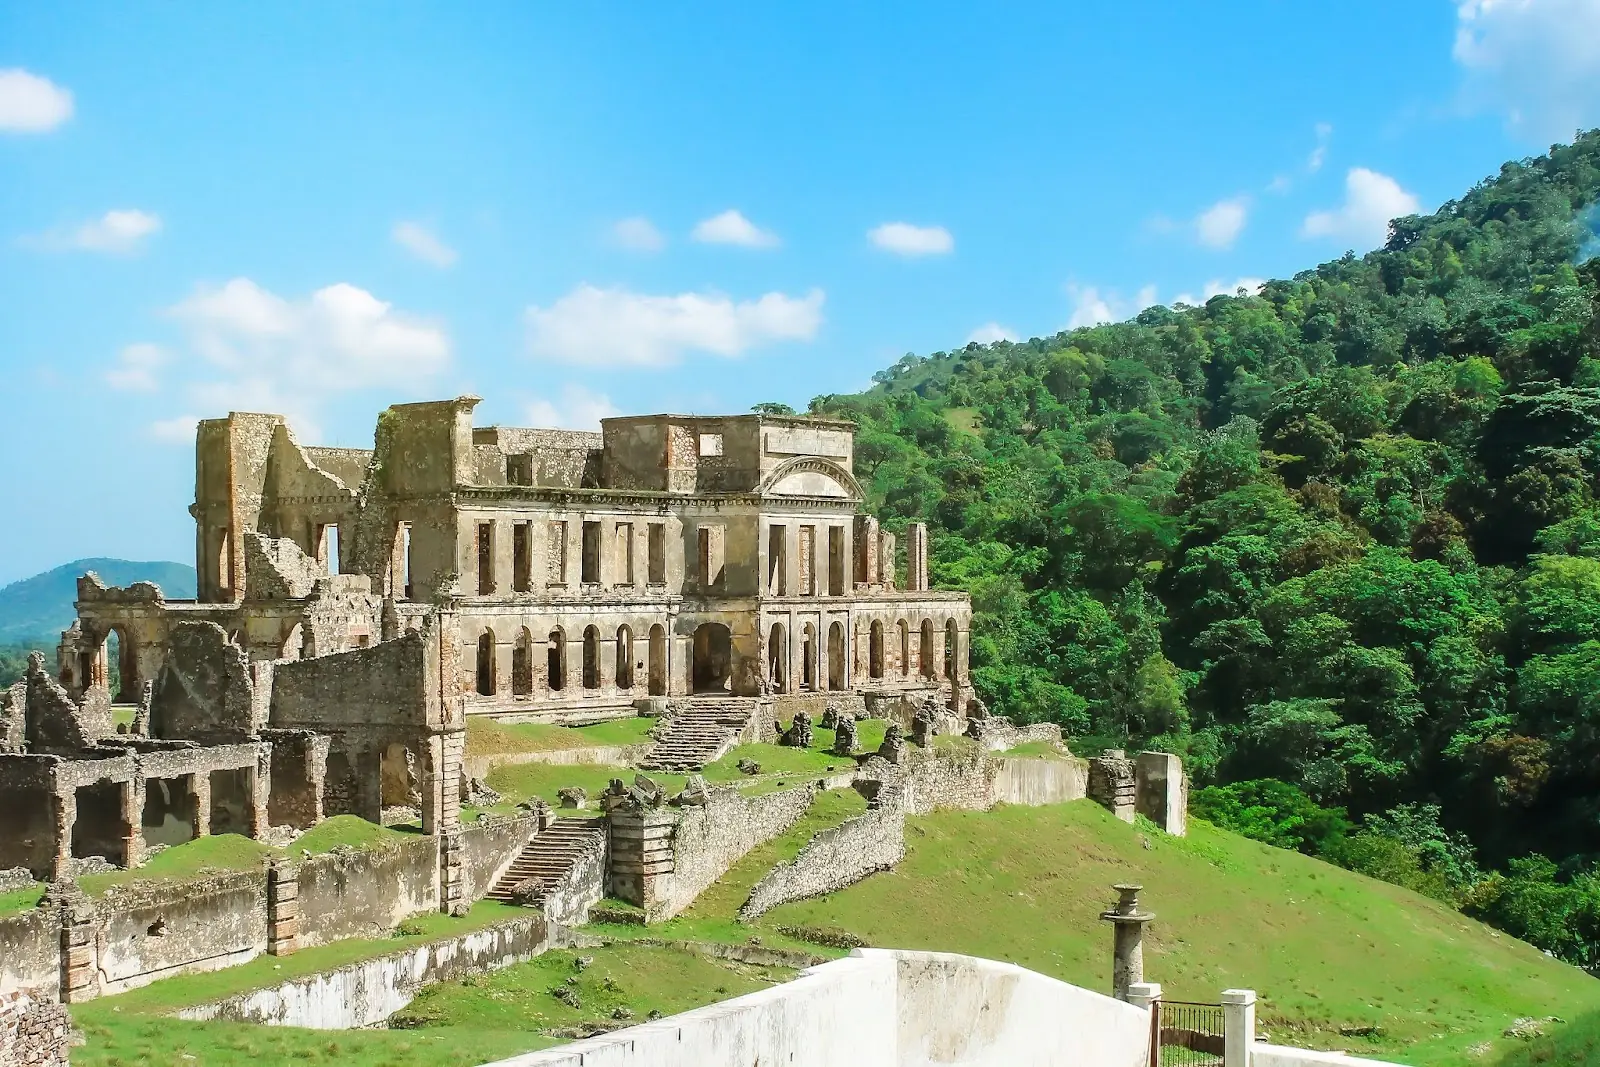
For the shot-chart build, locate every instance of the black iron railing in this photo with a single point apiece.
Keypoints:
(1186, 1034)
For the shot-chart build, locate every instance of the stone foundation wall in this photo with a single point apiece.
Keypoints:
(579, 889)
(487, 849)
(710, 839)
(839, 856)
(366, 893)
(1032, 782)
(30, 946)
(145, 933)
(34, 1032)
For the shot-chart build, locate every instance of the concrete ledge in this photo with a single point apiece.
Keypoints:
(1264, 1055)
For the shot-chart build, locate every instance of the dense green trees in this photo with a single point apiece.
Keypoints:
(1342, 535)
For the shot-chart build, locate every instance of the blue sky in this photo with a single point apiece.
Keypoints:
(591, 208)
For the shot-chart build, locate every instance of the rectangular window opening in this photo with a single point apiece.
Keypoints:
(556, 560)
(777, 560)
(522, 557)
(808, 561)
(656, 553)
(624, 553)
(591, 553)
(519, 470)
(712, 545)
(711, 444)
(485, 558)
(836, 561)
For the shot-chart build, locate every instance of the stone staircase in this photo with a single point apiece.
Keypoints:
(700, 730)
(549, 856)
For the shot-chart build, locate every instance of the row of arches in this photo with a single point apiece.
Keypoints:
(523, 652)
(928, 665)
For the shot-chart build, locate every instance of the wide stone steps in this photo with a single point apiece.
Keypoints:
(699, 731)
(549, 856)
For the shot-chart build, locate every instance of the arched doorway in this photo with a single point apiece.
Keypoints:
(905, 647)
(117, 666)
(486, 663)
(556, 661)
(713, 658)
(591, 657)
(836, 672)
(778, 659)
(624, 658)
(657, 677)
(875, 650)
(925, 660)
(951, 636)
(808, 657)
(522, 664)
(291, 644)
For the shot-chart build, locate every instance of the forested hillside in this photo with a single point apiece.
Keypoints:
(1338, 543)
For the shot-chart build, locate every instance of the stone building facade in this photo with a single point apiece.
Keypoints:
(355, 605)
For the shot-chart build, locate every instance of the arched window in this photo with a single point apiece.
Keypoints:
(713, 658)
(556, 661)
(951, 637)
(522, 664)
(658, 660)
(808, 657)
(926, 663)
(905, 647)
(778, 659)
(486, 663)
(624, 658)
(591, 658)
(875, 650)
(836, 664)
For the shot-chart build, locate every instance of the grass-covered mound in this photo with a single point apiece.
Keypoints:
(1324, 947)
(192, 859)
(486, 737)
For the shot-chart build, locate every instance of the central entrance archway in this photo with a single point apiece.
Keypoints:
(713, 658)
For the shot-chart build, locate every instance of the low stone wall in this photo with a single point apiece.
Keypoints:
(368, 992)
(367, 893)
(605, 755)
(30, 947)
(1263, 1055)
(488, 847)
(962, 780)
(1032, 782)
(148, 932)
(836, 857)
(583, 885)
(710, 839)
(884, 1009)
(34, 1032)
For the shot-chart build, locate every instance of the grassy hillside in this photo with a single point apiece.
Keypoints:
(1324, 947)
(36, 610)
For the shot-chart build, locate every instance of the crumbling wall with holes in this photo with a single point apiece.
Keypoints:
(148, 931)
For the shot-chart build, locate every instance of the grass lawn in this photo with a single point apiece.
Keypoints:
(134, 1028)
(21, 900)
(1034, 750)
(802, 764)
(1573, 1044)
(485, 737)
(192, 859)
(636, 978)
(518, 782)
(1324, 947)
(347, 831)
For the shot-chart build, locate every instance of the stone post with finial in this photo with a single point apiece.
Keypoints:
(1128, 950)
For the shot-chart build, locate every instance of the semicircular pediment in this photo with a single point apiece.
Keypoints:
(810, 476)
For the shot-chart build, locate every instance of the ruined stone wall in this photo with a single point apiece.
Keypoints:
(147, 932)
(711, 839)
(839, 856)
(386, 683)
(367, 893)
(962, 780)
(1032, 782)
(580, 887)
(30, 946)
(34, 1032)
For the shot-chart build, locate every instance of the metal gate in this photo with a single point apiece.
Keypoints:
(1186, 1034)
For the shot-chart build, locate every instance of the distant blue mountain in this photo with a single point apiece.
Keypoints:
(35, 610)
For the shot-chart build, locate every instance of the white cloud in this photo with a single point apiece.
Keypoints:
(120, 232)
(1220, 224)
(905, 239)
(136, 367)
(639, 234)
(990, 332)
(617, 327)
(732, 228)
(576, 409)
(178, 430)
(250, 349)
(1217, 287)
(1538, 61)
(423, 244)
(1093, 306)
(1319, 154)
(31, 104)
(1371, 201)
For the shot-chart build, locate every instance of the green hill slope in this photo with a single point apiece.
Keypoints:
(36, 610)
(1325, 948)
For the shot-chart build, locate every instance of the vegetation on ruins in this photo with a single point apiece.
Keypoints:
(1337, 543)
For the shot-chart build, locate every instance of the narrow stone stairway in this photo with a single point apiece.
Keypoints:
(700, 730)
(549, 856)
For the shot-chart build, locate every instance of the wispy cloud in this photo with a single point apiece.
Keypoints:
(136, 368)
(732, 228)
(906, 239)
(617, 327)
(1371, 201)
(1535, 61)
(1219, 225)
(638, 234)
(120, 232)
(990, 332)
(423, 244)
(30, 103)
(576, 408)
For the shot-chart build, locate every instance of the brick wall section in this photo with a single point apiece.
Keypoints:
(34, 1032)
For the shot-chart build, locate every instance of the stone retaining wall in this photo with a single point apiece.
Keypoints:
(30, 945)
(836, 857)
(367, 893)
(34, 1032)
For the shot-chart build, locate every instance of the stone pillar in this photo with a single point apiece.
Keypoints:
(1128, 922)
(441, 782)
(641, 856)
(79, 955)
(886, 546)
(200, 803)
(260, 792)
(1238, 1026)
(133, 822)
(368, 766)
(1161, 791)
(1144, 994)
(64, 810)
(1112, 783)
(868, 572)
(917, 557)
(283, 908)
(452, 896)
